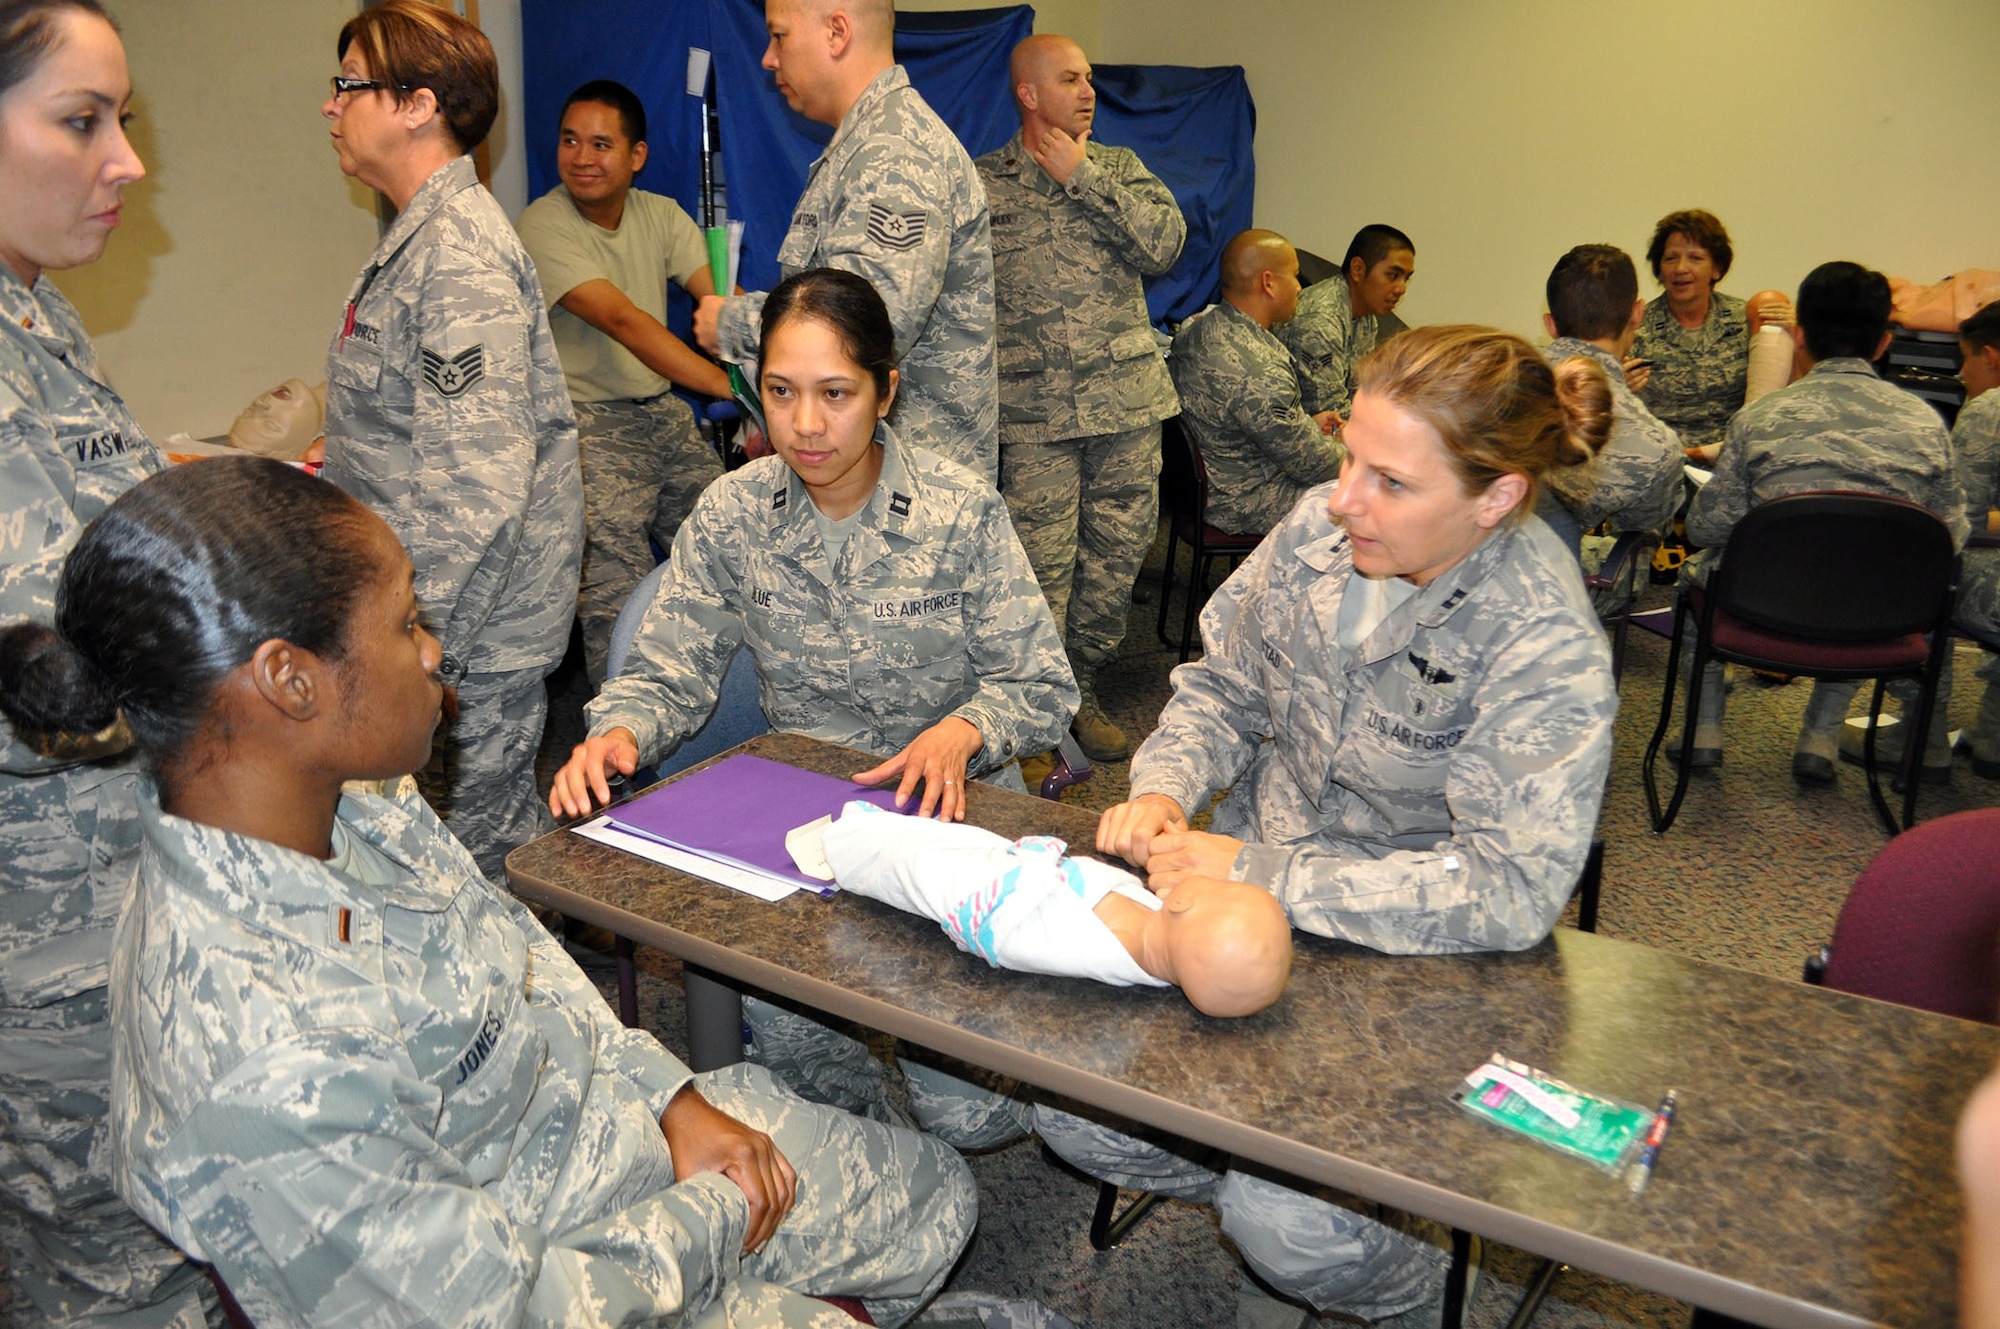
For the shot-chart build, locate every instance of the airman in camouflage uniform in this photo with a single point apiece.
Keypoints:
(930, 610)
(447, 413)
(1839, 427)
(643, 461)
(1635, 482)
(1699, 374)
(1322, 338)
(1976, 441)
(1084, 386)
(1240, 396)
(460, 1129)
(895, 199)
(69, 833)
(1433, 791)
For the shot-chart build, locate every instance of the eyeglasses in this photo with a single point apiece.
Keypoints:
(343, 86)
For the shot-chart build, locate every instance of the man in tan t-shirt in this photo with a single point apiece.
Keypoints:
(605, 253)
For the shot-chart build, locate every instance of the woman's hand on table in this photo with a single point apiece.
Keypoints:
(586, 774)
(703, 1138)
(938, 757)
(1185, 855)
(1129, 830)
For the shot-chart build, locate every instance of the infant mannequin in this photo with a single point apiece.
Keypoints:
(1771, 346)
(282, 423)
(1026, 906)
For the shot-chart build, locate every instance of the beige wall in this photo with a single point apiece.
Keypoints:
(1498, 135)
(239, 246)
(1462, 123)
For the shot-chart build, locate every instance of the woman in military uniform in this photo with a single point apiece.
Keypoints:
(69, 829)
(354, 1075)
(1409, 700)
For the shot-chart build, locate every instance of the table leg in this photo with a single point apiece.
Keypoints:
(628, 982)
(714, 1020)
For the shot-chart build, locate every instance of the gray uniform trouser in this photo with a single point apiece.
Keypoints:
(644, 464)
(76, 1255)
(481, 776)
(1086, 511)
(880, 1213)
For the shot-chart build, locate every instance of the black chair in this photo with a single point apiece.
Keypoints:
(1184, 496)
(1829, 586)
(1620, 573)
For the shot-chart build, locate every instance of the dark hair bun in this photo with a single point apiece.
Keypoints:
(46, 687)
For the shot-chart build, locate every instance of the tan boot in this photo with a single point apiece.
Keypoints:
(1100, 739)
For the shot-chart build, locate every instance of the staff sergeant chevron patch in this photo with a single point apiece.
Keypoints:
(450, 376)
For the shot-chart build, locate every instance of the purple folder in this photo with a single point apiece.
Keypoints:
(739, 810)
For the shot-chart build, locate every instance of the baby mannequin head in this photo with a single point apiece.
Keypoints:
(1761, 305)
(1227, 944)
(281, 423)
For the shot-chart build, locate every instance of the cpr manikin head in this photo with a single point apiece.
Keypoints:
(1227, 944)
(1767, 306)
(283, 422)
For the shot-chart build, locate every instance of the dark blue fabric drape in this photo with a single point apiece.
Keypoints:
(1192, 127)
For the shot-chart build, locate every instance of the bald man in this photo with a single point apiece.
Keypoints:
(1240, 393)
(1077, 228)
(894, 198)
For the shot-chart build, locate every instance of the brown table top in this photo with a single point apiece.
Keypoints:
(1807, 1180)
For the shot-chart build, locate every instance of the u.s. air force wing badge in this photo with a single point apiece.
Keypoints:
(451, 375)
(896, 230)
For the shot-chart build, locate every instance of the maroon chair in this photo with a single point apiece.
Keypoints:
(1184, 497)
(1833, 586)
(1921, 927)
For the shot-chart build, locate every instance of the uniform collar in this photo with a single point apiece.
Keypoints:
(1568, 348)
(1430, 607)
(300, 898)
(865, 106)
(29, 308)
(1017, 161)
(453, 178)
(889, 520)
(1843, 364)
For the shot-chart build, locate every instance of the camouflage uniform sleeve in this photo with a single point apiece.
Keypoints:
(473, 429)
(35, 536)
(1975, 441)
(1523, 793)
(889, 228)
(740, 326)
(1948, 492)
(555, 979)
(1134, 213)
(1270, 414)
(1214, 724)
(1638, 478)
(1725, 499)
(322, 1138)
(686, 639)
(1026, 693)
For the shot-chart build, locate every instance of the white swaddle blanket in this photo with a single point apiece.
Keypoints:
(1016, 905)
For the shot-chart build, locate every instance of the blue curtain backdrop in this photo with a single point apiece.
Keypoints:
(1192, 127)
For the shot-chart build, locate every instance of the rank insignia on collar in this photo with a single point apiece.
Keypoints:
(778, 497)
(899, 504)
(896, 230)
(452, 376)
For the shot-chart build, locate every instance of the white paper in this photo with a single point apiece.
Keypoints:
(722, 874)
(807, 846)
(735, 255)
(697, 84)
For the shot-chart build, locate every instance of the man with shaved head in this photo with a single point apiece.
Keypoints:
(894, 199)
(1240, 394)
(1077, 228)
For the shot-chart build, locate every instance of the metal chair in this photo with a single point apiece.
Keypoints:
(1829, 586)
(1184, 496)
(1631, 551)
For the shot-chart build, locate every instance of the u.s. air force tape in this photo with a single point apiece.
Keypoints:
(450, 376)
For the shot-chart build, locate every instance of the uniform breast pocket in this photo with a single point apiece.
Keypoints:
(801, 243)
(356, 363)
(919, 640)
